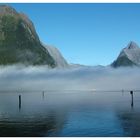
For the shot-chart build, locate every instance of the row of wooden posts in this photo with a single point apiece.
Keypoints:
(131, 93)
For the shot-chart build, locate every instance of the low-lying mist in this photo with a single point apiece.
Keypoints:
(86, 78)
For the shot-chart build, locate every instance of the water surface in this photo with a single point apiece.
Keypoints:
(69, 113)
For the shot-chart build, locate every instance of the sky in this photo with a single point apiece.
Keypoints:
(88, 34)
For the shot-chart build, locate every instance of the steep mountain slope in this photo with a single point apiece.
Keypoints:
(58, 58)
(129, 56)
(19, 42)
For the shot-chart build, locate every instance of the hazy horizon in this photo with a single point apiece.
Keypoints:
(84, 78)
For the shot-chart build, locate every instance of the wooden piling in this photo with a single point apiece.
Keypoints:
(19, 102)
(131, 92)
(132, 100)
(122, 92)
(43, 95)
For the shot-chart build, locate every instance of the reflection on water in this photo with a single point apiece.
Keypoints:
(130, 122)
(71, 113)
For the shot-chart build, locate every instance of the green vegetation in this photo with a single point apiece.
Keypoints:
(18, 44)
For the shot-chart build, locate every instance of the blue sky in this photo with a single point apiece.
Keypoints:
(89, 34)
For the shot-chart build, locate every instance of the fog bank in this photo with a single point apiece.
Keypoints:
(86, 78)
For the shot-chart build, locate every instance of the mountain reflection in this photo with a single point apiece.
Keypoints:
(32, 126)
(130, 122)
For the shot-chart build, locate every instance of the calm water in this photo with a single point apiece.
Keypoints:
(69, 113)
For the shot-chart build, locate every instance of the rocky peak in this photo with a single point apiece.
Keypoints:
(132, 45)
(19, 42)
(129, 56)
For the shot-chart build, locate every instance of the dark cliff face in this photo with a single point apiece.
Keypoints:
(129, 56)
(19, 42)
(122, 62)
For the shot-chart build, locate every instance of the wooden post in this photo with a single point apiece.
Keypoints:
(122, 91)
(43, 94)
(19, 102)
(132, 103)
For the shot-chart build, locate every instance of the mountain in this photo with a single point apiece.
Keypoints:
(19, 42)
(57, 56)
(72, 65)
(129, 56)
